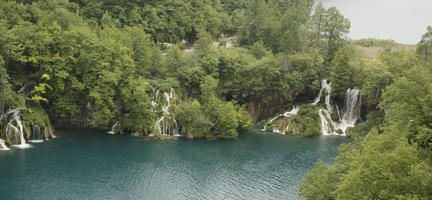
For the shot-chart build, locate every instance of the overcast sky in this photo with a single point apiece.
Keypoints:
(404, 21)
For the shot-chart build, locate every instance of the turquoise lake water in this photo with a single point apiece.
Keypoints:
(84, 164)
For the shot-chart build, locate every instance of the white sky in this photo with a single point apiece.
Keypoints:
(404, 21)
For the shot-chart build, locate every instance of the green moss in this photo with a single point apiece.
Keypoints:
(26, 132)
(329, 122)
(8, 143)
(3, 132)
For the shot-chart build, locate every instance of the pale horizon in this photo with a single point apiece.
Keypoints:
(402, 21)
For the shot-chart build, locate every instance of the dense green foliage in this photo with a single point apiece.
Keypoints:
(85, 63)
(95, 63)
(393, 161)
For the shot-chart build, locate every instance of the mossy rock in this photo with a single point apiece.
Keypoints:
(349, 131)
(3, 132)
(338, 131)
(8, 143)
(163, 138)
(211, 138)
(26, 132)
(269, 128)
(136, 134)
(117, 129)
(335, 116)
(190, 136)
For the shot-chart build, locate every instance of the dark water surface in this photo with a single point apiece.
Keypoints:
(83, 164)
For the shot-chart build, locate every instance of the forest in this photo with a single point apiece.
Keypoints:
(216, 68)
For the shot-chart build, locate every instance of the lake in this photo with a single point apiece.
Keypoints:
(84, 164)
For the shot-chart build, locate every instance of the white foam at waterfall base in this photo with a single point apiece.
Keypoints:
(52, 134)
(112, 131)
(22, 146)
(36, 141)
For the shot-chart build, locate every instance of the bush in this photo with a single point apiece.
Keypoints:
(192, 121)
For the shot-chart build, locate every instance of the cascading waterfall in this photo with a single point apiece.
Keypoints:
(327, 125)
(36, 136)
(112, 131)
(350, 114)
(166, 125)
(176, 130)
(352, 110)
(289, 114)
(154, 100)
(12, 130)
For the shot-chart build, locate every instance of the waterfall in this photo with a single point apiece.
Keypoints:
(11, 129)
(318, 98)
(352, 110)
(293, 112)
(176, 133)
(36, 134)
(289, 114)
(112, 132)
(52, 134)
(157, 127)
(327, 87)
(154, 101)
(166, 124)
(3, 145)
(327, 126)
(349, 118)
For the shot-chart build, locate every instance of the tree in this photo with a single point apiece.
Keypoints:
(376, 78)
(10, 50)
(336, 27)
(193, 122)
(341, 74)
(317, 24)
(224, 118)
(328, 30)
(424, 48)
(41, 89)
